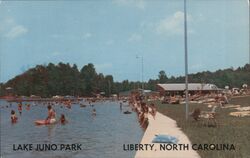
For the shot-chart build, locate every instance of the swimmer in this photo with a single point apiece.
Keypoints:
(28, 107)
(63, 119)
(20, 108)
(120, 106)
(94, 112)
(51, 115)
(13, 117)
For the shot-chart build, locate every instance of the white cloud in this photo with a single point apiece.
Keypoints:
(173, 25)
(110, 42)
(11, 30)
(131, 3)
(6, 24)
(87, 35)
(16, 31)
(56, 36)
(83, 36)
(135, 38)
(103, 66)
(196, 67)
(55, 53)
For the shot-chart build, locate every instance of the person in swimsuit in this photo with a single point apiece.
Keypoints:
(28, 107)
(94, 112)
(13, 117)
(51, 115)
(120, 106)
(63, 119)
(20, 108)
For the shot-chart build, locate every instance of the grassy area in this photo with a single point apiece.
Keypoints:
(231, 130)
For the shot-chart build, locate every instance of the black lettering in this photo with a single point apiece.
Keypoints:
(212, 147)
(185, 147)
(169, 147)
(162, 147)
(194, 147)
(141, 147)
(79, 146)
(232, 147)
(67, 147)
(205, 147)
(136, 146)
(53, 147)
(175, 147)
(151, 146)
(131, 147)
(62, 146)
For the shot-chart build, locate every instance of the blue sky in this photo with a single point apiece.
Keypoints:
(111, 33)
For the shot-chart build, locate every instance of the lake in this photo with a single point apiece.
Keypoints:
(100, 136)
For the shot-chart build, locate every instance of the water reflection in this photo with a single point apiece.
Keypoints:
(50, 130)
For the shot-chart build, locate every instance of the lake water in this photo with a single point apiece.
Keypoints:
(101, 136)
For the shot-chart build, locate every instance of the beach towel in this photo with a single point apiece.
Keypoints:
(165, 139)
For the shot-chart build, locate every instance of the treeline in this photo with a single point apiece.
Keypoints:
(64, 79)
(228, 77)
(221, 78)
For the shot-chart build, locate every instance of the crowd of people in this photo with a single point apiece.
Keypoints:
(143, 110)
(51, 118)
(52, 115)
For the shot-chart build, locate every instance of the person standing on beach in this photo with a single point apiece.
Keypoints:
(144, 122)
(152, 109)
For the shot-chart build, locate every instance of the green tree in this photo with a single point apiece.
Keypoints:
(89, 76)
(162, 77)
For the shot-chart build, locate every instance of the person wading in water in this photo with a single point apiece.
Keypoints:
(51, 115)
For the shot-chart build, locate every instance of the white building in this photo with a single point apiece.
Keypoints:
(179, 88)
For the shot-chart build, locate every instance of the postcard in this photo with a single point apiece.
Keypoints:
(124, 79)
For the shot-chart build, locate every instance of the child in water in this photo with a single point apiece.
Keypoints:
(63, 119)
(13, 116)
(94, 112)
(20, 108)
(28, 107)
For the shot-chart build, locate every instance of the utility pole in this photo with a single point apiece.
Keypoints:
(142, 71)
(186, 57)
(249, 28)
(109, 88)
